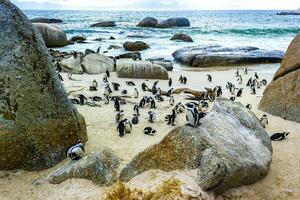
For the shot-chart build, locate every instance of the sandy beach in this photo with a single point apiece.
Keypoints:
(282, 181)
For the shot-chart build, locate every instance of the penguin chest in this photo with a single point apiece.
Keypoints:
(191, 118)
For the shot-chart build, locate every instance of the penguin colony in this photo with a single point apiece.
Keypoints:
(194, 110)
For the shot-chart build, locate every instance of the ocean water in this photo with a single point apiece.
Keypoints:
(263, 29)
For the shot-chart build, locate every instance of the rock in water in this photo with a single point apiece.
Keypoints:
(104, 24)
(148, 22)
(228, 150)
(140, 69)
(38, 123)
(97, 63)
(135, 46)
(182, 37)
(46, 20)
(217, 55)
(174, 22)
(99, 167)
(52, 35)
(282, 96)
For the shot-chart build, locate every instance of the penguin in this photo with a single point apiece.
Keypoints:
(154, 88)
(142, 102)
(171, 101)
(121, 128)
(253, 90)
(124, 92)
(202, 115)
(232, 98)
(246, 71)
(249, 82)
(204, 104)
(264, 82)
(279, 136)
(135, 119)
(58, 67)
(239, 93)
(240, 80)
(144, 87)
(171, 118)
(170, 82)
(256, 75)
(232, 89)
(180, 79)
(130, 83)
(237, 73)
(106, 99)
(179, 108)
(60, 77)
(152, 116)
(209, 78)
(95, 83)
(119, 116)
(116, 86)
(249, 106)
(219, 91)
(192, 115)
(184, 80)
(107, 73)
(128, 125)
(82, 99)
(92, 88)
(96, 98)
(105, 79)
(264, 121)
(149, 131)
(136, 93)
(117, 104)
(75, 101)
(136, 109)
(76, 151)
(152, 103)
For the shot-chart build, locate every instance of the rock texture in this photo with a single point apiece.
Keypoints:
(46, 20)
(52, 35)
(216, 55)
(228, 150)
(72, 64)
(167, 65)
(294, 12)
(174, 22)
(140, 69)
(135, 46)
(182, 37)
(38, 123)
(148, 22)
(282, 95)
(104, 24)
(97, 63)
(78, 39)
(98, 167)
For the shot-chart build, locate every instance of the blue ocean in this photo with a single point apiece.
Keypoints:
(263, 29)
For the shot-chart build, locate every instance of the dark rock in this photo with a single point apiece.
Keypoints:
(114, 47)
(167, 65)
(134, 55)
(148, 22)
(88, 51)
(104, 24)
(135, 46)
(216, 55)
(46, 20)
(38, 123)
(182, 37)
(78, 39)
(174, 22)
(294, 12)
(229, 149)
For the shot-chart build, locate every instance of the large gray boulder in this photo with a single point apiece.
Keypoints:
(53, 36)
(135, 46)
(97, 63)
(46, 20)
(148, 22)
(98, 167)
(38, 123)
(174, 22)
(104, 24)
(229, 149)
(282, 96)
(216, 55)
(182, 37)
(293, 12)
(140, 69)
(72, 64)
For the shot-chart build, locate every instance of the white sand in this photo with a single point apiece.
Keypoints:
(282, 182)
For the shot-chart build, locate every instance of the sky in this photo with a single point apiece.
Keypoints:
(158, 4)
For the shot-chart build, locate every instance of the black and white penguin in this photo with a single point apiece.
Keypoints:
(136, 109)
(117, 104)
(107, 73)
(76, 151)
(239, 93)
(180, 79)
(171, 101)
(249, 82)
(60, 77)
(237, 73)
(136, 93)
(246, 71)
(279, 136)
(121, 128)
(240, 80)
(152, 103)
(151, 116)
(119, 116)
(124, 92)
(144, 87)
(202, 115)
(142, 102)
(204, 104)
(253, 90)
(256, 75)
(209, 78)
(135, 119)
(170, 92)
(172, 118)
(154, 88)
(264, 121)
(58, 67)
(82, 99)
(184, 80)
(105, 79)
(106, 99)
(264, 82)
(95, 83)
(149, 131)
(96, 98)
(170, 82)
(116, 86)
(249, 106)
(232, 98)
(130, 83)
(192, 115)
(179, 108)
(75, 101)
(128, 125)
